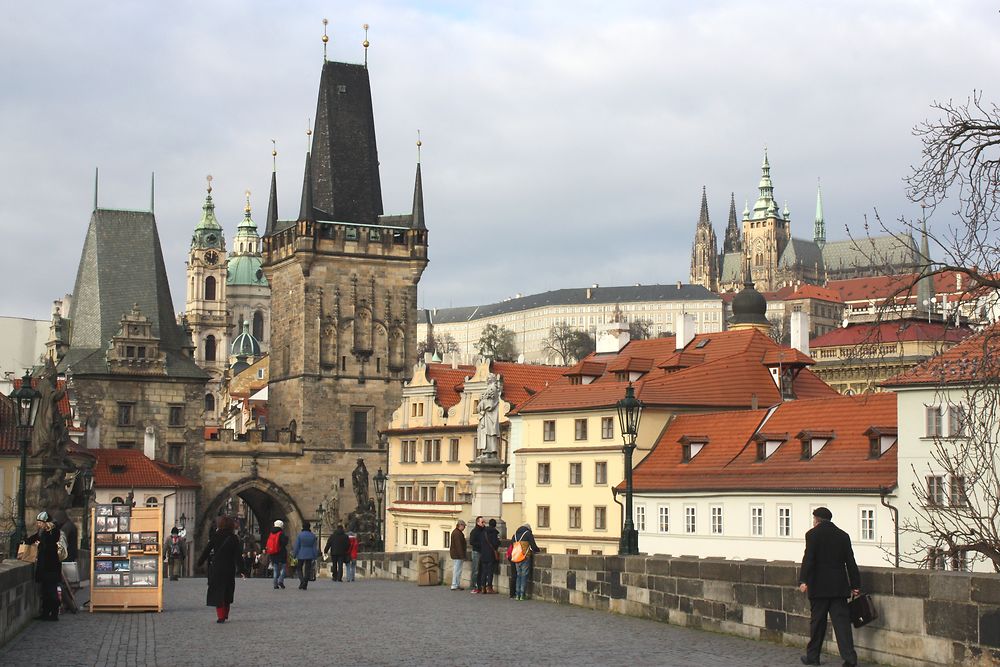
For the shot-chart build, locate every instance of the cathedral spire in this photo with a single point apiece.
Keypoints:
(306, 206)
(704, 251)
(819, 228)
(272, 203)
(732, 241)
(765, 205)
(418, 202)
(703, 215)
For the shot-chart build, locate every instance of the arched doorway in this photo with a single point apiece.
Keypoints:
(255, 503)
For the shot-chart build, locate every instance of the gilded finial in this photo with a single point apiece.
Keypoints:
(326, 39)
(309, 127)
(246, 209)
(274, 155)
(419, 144)
(209, 179)
(366, 43)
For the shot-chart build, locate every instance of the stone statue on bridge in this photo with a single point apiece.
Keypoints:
(488, 432)
(359, 479)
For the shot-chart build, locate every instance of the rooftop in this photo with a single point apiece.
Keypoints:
(130, 468)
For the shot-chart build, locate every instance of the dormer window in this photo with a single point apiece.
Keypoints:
(880, 440)
(117, 469)
(767, 444)
(691, 445)
(813, 442)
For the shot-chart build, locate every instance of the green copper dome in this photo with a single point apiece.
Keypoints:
(245, 346)
(246, 270)
(208, 233)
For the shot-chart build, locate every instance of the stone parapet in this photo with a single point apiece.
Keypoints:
(18, 597)
(926, 617)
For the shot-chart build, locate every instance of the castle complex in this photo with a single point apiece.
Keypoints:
(777, 259)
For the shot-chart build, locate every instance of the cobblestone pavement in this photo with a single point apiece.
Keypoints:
(373, 623)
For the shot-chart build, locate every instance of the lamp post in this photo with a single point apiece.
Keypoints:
(87, 479)
(320, 512)
(379, 481)
(27, 399)
(629, 412)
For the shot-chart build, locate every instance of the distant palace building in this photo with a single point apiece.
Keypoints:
(777, 259)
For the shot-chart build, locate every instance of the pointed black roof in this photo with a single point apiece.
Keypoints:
(272, 207)
(418, 202)
(345, 185)
(703, 216)
(732, 241)
(306, 211)
(121, 265)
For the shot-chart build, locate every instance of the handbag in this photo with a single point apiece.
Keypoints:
(862, 610)
(27, 552)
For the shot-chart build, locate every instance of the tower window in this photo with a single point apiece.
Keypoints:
(210, 348)
(210, 288)
(258, 325)
(209, 403)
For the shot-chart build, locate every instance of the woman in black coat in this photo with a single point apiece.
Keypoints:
(489, 543)
(224, 555)
(48, 568)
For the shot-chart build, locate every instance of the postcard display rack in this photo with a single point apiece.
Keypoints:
(126, 567)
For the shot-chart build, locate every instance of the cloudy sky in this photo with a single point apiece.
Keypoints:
(565, 143)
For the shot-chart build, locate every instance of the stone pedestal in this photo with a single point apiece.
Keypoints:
(487, 487)
(45, 489)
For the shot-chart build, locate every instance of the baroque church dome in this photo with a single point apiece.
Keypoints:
(749, 307)
(245, 345)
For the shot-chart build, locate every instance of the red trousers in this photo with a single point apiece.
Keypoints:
(222, 612)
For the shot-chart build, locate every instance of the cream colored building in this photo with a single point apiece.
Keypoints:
(432, 439)
(531, 317)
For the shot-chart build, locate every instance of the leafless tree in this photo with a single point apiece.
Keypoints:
(567, 343)
(638, 329)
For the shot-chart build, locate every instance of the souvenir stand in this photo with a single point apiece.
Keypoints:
(126, 566)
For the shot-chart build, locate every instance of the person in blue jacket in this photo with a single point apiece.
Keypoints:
(305, 551)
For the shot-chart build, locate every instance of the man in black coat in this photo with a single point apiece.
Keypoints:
(338, 545)
(829, 575)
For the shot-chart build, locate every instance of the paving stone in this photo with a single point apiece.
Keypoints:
(375, 623)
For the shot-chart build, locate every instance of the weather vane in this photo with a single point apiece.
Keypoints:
(419, 144)
(247, 208)
(274, 155)
(366, 44)
(209, 179)
(325, 39)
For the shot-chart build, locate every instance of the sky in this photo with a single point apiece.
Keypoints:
(564, 143)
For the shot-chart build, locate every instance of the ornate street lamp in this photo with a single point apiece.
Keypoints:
(379, 481)
(629, 412)
(26, 399)
(87, 481)
(320, 512)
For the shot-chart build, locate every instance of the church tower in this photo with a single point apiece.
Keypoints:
(248, 294)
(704, 253)
(343, 333)
(205, 307)
(733, 241)
(766, 232)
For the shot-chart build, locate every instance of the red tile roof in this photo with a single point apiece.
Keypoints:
(64, 407)
(8, 430)
(892, 331)
(976, 359)
(900, 287)
(129, 468)
(521, 381)
(727, 370)
(728, 462)
(448, 382)
(811, 292)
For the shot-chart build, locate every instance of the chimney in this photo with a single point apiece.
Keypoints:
(685, 330)
(800, 332)
(149, 443)
(590, 293)
(753, 401)
(454, 360)
(611, 337)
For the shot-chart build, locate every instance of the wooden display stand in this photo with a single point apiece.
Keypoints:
(126, 566)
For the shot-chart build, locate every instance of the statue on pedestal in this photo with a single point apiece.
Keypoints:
(359, 479)
(488, 432)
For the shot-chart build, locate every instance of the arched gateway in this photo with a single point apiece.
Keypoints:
(264, 501)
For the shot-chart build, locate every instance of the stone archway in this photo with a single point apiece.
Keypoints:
(267, 500)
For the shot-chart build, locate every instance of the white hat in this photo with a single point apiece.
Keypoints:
(42, 516)
(278, 523)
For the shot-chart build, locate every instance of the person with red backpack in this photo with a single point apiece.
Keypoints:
(277, 552)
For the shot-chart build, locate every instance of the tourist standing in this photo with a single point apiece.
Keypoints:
(338, 545)
(277, 552)
(48, 568)
(829, 576)
(523, 567)
(176, 551)
(305, 551)
(489, 545)
(352, 557)
(224, 555)
(474, 543)
(458, 550)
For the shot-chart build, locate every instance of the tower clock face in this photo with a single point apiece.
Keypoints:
(211, 257)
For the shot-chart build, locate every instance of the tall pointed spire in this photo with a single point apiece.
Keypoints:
(733, 241)
(272, 204)
(418, 202)
(704, 252)
(703, 215)
(306, 211)
(819, 227)
(765, 205)
(208, 232)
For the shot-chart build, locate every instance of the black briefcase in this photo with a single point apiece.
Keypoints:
(862, 610)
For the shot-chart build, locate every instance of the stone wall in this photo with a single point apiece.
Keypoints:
(926, 618)
(18, 598)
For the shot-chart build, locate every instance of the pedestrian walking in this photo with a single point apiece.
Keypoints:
(305, 551)
(489, 556)
(338, 545)
(277, 552)
(474, 542)
(458, 550)
(829, 576)
(352, 557)
(48, 567)
(224, 555)
(523, 546)
(175, 549)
